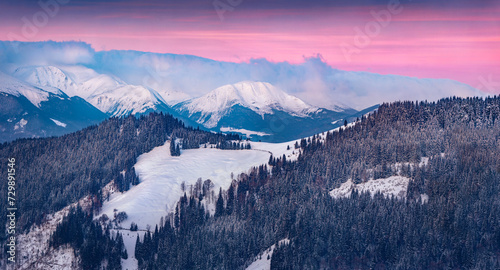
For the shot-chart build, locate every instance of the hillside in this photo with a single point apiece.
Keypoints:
(448, 150)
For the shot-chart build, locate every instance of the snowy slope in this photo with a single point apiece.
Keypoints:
(162, 175)
(106, 92)
(31, 111)
(172, 97)
(98, 84)
(33, 247)
(260, 97)
(262, 262)
(49, 78)
(123, 99)
(13, 86)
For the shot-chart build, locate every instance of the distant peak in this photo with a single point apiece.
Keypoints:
(260, 97)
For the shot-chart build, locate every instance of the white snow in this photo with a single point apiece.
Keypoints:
(262, 262)
(124, 100)
(106, 92)
(20, 124)
(260, 97)
(129, 239)
(77, 73)
(161, 177)
(423, 161)
(49, 78)
(246, 132)
(99, 84)
(33, 247)
(59, 123)
(396, 186)
(172, 97)
(424, 198)
(278, 149)
(13, 86)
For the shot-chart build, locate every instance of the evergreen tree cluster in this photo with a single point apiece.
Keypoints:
(458, 227)
(175, 149)
(233, 145)
(195, 138)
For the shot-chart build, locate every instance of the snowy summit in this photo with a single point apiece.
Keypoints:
(260, 97)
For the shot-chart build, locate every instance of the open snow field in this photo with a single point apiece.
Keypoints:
(162, 175)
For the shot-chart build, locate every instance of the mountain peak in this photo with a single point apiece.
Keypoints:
(49, 78)
(13, 86)
(260, 97)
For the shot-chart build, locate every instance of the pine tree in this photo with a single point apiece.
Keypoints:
(219, 205)
(230, 200)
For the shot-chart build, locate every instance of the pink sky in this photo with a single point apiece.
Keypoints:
(456, 43)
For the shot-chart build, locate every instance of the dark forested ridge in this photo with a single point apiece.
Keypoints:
(52, 173)
(457, 228)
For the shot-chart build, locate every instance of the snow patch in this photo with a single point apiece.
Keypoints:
(336, 121)
(423, 161)
(59, 123)
(246, 132)
(21, 124)
(129, 239)
(424, 198)
(278, 149)
(396, 186)
(262, 262)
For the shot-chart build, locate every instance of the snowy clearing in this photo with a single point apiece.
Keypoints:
(162, 175)
(246, 132)
(396, 186)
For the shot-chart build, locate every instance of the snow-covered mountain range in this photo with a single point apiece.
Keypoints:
(252, 108)
(107, 93)
(29, 111)
(269, 101)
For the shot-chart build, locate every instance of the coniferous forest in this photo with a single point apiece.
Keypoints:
(457, 227)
